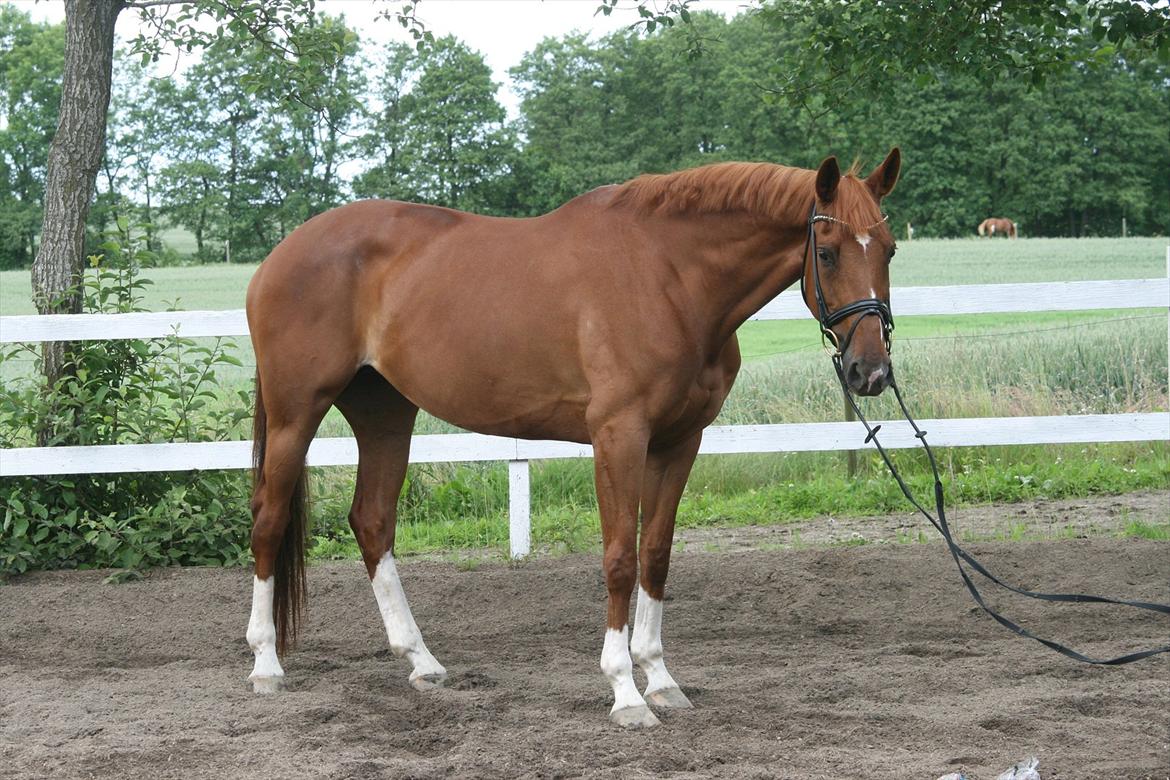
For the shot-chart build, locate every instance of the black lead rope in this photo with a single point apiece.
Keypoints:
(881, 310)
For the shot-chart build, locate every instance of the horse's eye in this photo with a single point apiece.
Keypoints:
(826, 255)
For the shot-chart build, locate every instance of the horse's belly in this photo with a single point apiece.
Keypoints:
(560, 422)
(467, 394)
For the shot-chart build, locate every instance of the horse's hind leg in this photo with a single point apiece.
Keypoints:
(662, 488)
(277, 583)
(382, 421)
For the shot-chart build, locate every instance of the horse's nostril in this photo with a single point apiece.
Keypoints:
(854, 375)
(866, 377)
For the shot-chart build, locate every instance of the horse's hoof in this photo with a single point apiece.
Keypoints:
(428, 682)
(669, 698)
(639, 717)
(274, 684)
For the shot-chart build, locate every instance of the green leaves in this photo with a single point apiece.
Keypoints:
(442, 138)
(867, 47)
(31, 67)
(128, 391)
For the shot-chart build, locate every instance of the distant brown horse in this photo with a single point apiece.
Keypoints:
(609, 321)
(997, 226)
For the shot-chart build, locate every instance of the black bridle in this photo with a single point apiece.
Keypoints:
(863, 307)
(881, 309)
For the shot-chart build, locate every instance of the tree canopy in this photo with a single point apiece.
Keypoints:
(226, 152)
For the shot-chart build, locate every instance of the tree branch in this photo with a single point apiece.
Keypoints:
(152, 3)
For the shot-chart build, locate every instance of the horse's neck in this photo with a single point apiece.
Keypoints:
(737, 265)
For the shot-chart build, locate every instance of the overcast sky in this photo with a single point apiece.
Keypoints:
(502, 30)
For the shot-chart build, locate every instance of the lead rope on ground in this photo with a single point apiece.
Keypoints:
(960, 555)
(881, 309)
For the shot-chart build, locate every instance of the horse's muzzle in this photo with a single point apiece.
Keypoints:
(867, 377)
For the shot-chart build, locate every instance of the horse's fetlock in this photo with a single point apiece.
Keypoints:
(616, 664)
(645, 650)
(259, 636)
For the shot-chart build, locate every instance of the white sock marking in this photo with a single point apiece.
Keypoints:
(262, 631)
(617, 666)
(646, 646)
(405, 638)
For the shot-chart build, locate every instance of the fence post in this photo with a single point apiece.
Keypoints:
(850, 455)
(519, 509)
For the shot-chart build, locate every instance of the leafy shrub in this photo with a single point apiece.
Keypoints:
(119, 392)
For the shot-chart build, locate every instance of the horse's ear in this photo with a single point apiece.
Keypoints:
(828, 177)
(885, 176)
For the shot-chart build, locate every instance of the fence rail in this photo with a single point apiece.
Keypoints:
(804, 437)
(717, 440)
(906, 301)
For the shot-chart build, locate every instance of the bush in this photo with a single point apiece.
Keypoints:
(118, 392)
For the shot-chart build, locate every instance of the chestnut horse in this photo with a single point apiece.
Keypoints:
(609, 321)
(994, 226)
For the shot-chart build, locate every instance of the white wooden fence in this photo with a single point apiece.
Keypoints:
(802, 437)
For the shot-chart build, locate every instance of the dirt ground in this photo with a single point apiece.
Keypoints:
(805, 659)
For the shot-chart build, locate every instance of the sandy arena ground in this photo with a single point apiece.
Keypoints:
(804, 660)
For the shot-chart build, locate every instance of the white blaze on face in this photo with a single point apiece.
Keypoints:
(863, 239)
(262, 632)
(405, 638)
(619, 669)
(646, 646)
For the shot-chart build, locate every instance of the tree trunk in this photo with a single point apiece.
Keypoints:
(74, 158)
(201, 224)
(152, 241)
(235, 120)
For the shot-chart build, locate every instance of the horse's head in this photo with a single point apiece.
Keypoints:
(846, 280)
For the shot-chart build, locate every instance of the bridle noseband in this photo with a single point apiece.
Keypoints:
(863, 307)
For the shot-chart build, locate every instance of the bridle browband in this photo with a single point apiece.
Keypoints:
(881, 309)
(863, 307)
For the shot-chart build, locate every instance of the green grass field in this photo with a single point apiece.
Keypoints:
(963, 366)
(924, 262)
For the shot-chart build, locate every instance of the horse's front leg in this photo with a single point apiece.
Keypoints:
(666, 476)
(619, 457)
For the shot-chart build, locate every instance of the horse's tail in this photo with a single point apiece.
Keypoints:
(289, 570)
(1011, 228)
(982, 227)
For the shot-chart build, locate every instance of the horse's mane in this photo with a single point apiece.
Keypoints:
(773, 192)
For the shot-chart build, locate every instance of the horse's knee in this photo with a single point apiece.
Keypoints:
(621, 567)
(655, 557)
